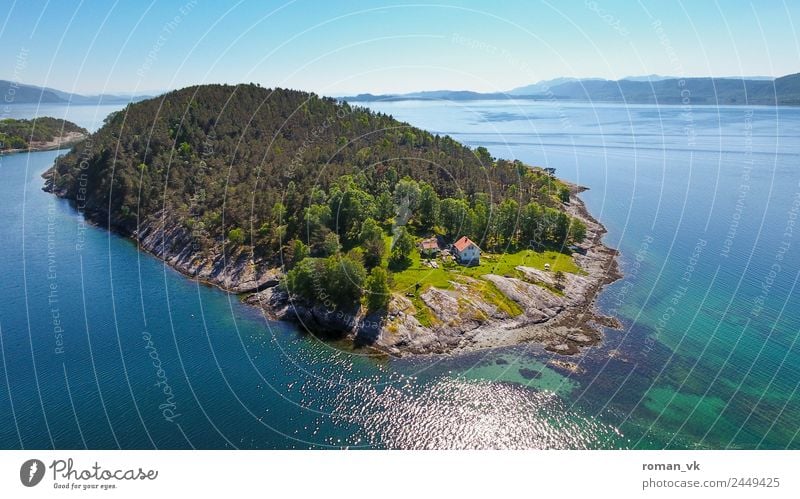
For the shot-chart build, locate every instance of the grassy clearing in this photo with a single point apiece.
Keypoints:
(499, 264)
(417, 278)
(406, 281)
(504, 264)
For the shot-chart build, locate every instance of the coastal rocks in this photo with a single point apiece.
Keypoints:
(473, 304)
(568, 339)
(253, 280)
(458, 319)
(443, 303)
(462, 318)
(368, 329)
(566, 366)
(365, 330)
(575, 287)
(460, 307)
(313, 318)
(274, 302)
(539, 304)
(404, 334)
(234, 270)
(563, 322)
(321, 319)
(408, 336)
(529, 374)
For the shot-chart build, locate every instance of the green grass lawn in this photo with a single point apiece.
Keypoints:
(406, 281)
(500, 264)
(504, 264)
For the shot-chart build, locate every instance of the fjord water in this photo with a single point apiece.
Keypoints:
(700, 201)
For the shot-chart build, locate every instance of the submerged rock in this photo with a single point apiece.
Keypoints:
(529, 373)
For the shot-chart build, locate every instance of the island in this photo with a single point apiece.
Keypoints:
(41, 134)
(347, 221)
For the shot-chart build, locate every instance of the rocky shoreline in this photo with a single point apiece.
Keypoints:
(462, 321)
(562, 322)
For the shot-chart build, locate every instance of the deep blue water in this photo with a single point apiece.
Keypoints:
(699, 201)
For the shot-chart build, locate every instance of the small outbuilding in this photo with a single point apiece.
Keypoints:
(429, 247)
(466, 252)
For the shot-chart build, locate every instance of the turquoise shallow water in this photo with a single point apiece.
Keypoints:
(700, 203)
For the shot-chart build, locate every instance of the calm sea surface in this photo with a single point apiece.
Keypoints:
(105, 347)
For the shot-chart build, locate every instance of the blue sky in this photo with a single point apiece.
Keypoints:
(338, 48)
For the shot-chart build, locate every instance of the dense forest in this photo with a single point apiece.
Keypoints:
(299, 177)
(21, 134)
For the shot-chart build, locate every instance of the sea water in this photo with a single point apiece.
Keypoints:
(104, 346)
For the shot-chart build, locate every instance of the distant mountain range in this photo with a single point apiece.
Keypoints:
(651, 89)
(18, 93)
(428, 95)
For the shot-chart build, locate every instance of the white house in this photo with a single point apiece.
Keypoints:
(466, 251)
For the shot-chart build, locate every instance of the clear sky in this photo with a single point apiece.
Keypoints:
(338, 48)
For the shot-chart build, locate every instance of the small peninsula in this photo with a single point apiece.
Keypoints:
(41, 134)
(347, 221)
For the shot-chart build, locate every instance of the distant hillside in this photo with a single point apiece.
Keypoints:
(542, 87)
(455, 95)
(787, 88)
(651, 89)
(25, 94)
(39, 134)
(784, 90)
(18, 93)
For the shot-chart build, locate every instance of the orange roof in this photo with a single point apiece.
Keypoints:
(463, 243)
(429, 244)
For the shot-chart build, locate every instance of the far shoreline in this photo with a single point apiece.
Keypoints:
(65, 141)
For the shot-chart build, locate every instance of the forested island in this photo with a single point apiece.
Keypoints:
(41, 134)
(346, 220)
